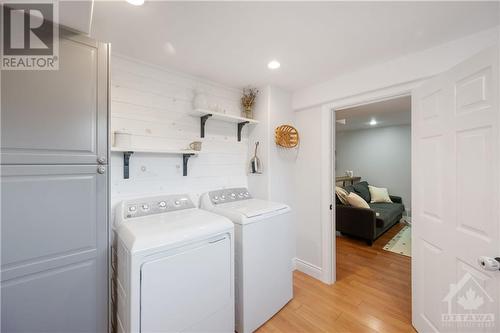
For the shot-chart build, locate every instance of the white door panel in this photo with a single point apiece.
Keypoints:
(456, 198)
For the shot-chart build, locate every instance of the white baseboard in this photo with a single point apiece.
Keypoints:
(308, 268)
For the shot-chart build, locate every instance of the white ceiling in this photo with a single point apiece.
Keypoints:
(232, 42)
(392, 112)
(76, 15)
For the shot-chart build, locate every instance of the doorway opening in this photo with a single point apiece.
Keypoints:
(373, 207)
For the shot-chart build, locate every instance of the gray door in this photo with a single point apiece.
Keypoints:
(58, 117)
(54, 237)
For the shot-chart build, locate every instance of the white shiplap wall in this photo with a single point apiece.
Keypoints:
(154, 105)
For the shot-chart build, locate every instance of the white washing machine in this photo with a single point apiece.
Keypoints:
(263, 254)
(175, 267)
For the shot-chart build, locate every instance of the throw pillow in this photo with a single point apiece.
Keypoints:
(362, 190)
(379, 194)
(342, 195)
(357, 201)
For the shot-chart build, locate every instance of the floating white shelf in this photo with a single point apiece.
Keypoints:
(156, 151)
(222, 116)
(127, 151)
(205, 114)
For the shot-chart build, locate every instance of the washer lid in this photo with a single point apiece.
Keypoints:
(171, 229)
(252, 209)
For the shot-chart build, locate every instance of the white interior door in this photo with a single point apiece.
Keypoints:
(456, 185)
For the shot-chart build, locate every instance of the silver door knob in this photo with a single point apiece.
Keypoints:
(101, 170)
(489, 263)
(101, 160)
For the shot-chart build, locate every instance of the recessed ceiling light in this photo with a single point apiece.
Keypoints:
(136, 2)
(273, 64)
(373, 122)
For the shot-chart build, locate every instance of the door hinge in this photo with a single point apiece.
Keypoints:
(331, 207)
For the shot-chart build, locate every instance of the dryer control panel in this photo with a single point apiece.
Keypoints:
(155, 205)
(229, 195)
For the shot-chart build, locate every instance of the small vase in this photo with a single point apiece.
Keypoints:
(248, 113)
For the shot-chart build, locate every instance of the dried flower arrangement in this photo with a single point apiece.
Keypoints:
(248, 100)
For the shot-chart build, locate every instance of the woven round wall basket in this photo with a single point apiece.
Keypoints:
(286, 136)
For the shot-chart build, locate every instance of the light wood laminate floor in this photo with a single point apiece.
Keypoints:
(372, 293)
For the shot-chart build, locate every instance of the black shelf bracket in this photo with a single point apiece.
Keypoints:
(240, 127)
(203, 120)
(185, 158)
(126, 164)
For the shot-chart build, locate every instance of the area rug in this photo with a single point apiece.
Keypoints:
(401, 243)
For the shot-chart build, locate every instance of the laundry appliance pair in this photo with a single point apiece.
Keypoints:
(222, 267)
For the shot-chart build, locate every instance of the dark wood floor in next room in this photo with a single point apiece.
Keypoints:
(372, 293)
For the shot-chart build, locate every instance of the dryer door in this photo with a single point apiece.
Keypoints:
(189, 289)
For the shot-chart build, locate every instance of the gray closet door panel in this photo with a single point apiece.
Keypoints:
(33, 267)
(68, 297)
(57, 117)
(54, 237)
(103, 103)
(54, 217)
(50, 210)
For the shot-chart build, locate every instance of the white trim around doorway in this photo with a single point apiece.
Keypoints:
(328, 272)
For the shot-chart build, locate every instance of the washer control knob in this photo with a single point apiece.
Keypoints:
(162, 204)
(241, 195)
(216, 198)
(132, 209)
(177, 203)
(233, 195)
(223, 197)
(145, 207)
